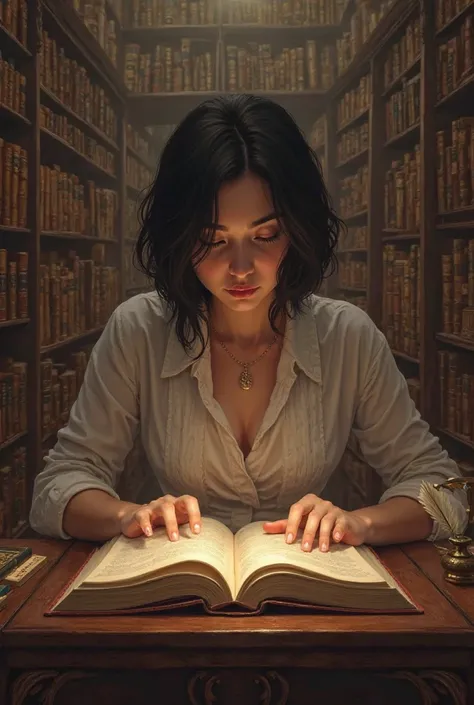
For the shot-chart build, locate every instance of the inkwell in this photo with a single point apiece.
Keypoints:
(458, 560)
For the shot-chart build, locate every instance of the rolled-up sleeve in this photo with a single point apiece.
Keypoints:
(395, 440)
(103, 422)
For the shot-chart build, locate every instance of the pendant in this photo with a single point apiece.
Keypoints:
(245, 379)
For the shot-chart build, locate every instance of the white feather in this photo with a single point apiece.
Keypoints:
(437, 503)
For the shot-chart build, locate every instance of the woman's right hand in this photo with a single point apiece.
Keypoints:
(165, 511)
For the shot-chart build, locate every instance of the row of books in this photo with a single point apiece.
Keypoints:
(401, 298)
(60, 385)
(455, 59)
(153, 13)
(89, 147)
(71, 83)
(138, 175)
(263, 67)
(67, 205)
(13, 185)
(13, 493)
(352, 142)
(455, 167)
(458, 289)
(12, 86)
(13, 285)
(363, 22)
(446, 10)
(156, 13)
(317, 136)
(13, 396)
(170, 69)
(352, 273)
(290, 12)
(354, 193)
(131, 219)
(402, 195)
(456, 393)
(103, 29)
(14, 17)
(76, 295)
(355, 238)
(402, 54)
(354, 102)
(143, 146)
(134, 279)
(402, 110)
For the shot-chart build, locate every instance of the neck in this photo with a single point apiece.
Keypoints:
(247, 329)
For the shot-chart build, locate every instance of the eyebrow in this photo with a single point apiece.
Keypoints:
(259, 221)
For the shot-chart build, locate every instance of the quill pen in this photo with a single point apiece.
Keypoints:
(438, 505)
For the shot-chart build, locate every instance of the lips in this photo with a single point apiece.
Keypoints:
(242, 291)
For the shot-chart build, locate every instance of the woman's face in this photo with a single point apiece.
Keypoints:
(241, 268)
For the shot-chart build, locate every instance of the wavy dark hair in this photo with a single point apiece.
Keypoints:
(217, 142)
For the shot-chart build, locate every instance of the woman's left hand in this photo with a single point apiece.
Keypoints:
(313, 513)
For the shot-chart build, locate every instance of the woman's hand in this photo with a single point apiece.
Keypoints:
(313, 513)
(166, 511)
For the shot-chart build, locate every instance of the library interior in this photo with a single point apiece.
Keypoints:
(89, 94)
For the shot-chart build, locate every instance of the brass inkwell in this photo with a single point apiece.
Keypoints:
(458, 561)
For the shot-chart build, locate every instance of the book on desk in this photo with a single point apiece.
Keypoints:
(229, 574)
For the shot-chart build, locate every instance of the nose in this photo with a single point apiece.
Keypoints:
(241, 263)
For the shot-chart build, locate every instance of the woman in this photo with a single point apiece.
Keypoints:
(242, 385)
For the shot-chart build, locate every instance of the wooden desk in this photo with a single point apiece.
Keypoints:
(269, 660)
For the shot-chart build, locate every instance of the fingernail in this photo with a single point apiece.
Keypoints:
(324, 547)
(197, 528)
(337, 536)
(174, 536)
(306, 546)
(148, 531)
(289, 538)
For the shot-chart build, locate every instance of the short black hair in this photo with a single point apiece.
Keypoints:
(217, 142)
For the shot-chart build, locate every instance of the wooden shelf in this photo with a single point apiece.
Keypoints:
(77, 237)
(398, 81)
(356, 216)
(14, 323)
(405, 356)
(139, 34)
(354, 289)
(353, 250)
(136, 155)
(402, 138)
(82, 337)
(78, 156)
(9, 115)
(456, 341)
(12, 440)
(87, 126)
(317, 30)
(459, 93)
(364, 115)
(457, 437)
(11, 46)
(14, 230)
(394, 235)
(454, 21)
(355, 159)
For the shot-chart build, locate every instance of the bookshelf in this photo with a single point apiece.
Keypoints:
(420, 215)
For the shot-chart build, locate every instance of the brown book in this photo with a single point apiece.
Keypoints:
(226, 573)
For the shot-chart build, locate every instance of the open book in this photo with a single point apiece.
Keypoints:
(226, 573)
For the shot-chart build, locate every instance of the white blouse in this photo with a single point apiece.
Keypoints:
(336, 378)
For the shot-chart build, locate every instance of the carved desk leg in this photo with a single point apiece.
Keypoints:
(231, 687)
(45, 685)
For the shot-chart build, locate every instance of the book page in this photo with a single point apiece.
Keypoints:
(255, 549)
(133, 558)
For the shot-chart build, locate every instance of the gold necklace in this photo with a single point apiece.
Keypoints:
(245, 377)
